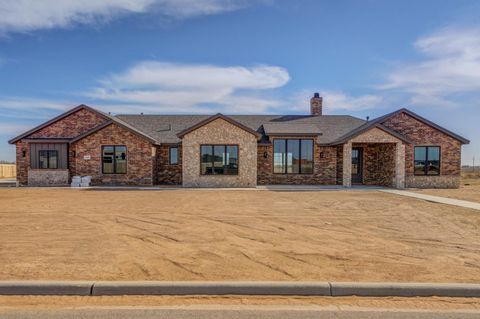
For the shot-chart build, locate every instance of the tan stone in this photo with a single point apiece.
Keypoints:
(219, 131)
(48, 177)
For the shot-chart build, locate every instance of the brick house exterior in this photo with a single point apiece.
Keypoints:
(400, 149)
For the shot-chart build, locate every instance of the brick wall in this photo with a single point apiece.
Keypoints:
(422, 134)
(139, 157)
(324, 170)
(166, 174)
(68, 127)
(71, 126)
(22, 162)
(378, 164)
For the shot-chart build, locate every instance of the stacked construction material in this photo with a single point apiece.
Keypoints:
(85, 181)
(76, 180)
(81, 181)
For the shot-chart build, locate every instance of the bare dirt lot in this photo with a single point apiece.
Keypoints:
(469, 190)
(234, 235)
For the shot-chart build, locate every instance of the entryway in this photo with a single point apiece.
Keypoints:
(357, 165)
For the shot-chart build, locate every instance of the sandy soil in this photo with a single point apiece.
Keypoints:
(469, 190)
(234, 235)
(55, 302)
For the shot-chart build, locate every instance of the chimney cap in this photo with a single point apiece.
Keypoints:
(316, 94)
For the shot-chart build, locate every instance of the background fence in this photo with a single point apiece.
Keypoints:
(8, 170)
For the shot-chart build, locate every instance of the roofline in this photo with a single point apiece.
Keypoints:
(295, 134)
(385, 117)
(215, 117)
(56, 119)
(436, 126)
(108, 123)
(366, 127)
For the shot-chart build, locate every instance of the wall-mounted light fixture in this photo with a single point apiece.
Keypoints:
(322, 154)
(265, 155)
(24, 153)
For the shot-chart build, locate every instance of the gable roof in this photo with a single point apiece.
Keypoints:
(216, 117)
(366, 127)
(385, 117)
(109, 119)
(56, 119)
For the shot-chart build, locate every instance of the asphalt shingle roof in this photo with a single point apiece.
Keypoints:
(164, 128)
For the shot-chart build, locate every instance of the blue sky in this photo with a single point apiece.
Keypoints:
(366, 58)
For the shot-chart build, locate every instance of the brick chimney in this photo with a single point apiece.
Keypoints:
(316, 104)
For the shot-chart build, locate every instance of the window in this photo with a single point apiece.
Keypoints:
(292, 156)
(114, 159)
(427, 160)
(219, 160)
(48, 159)
(173, 156)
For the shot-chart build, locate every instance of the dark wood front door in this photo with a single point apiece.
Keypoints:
(357, 165)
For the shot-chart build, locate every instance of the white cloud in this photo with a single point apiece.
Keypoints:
(451, 68)
(198, 88)
(30, 15)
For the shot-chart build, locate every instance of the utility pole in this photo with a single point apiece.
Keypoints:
(474, 164)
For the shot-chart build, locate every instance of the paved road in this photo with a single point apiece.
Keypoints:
(230, 313)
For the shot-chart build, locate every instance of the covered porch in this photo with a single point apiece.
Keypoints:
(373, 157)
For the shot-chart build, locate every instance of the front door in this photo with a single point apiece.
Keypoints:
(357, 165)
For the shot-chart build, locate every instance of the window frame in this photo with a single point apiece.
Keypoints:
(114, 160)
(170, 156)
(285, 172)
(213, 158)
(425, 167)
(48, 159)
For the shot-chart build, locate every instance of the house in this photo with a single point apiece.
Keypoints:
(400, 149)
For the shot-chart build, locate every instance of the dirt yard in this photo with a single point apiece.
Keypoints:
(469, 190)
(234, 235)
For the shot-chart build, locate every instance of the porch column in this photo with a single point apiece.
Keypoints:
(347, 164)
(399, 165)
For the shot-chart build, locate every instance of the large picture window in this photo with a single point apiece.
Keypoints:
(427, 160)
(114, 159)
(48, 159)
(292, 156)
(219, 159)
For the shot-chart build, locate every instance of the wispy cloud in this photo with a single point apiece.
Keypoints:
(198, 88)
(22, 104)
(449, 71)
(31, 15)
(334, 101)
(12, 129)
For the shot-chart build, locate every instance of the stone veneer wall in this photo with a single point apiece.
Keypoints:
(68, 127)
(324, 168)
(165, 173)
(139, 157)
(219, 131)
(422, 134)
(48, 177)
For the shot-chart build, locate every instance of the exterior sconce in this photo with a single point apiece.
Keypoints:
(265, 155)
(322, 154)
(24, 153)
(74, 154)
